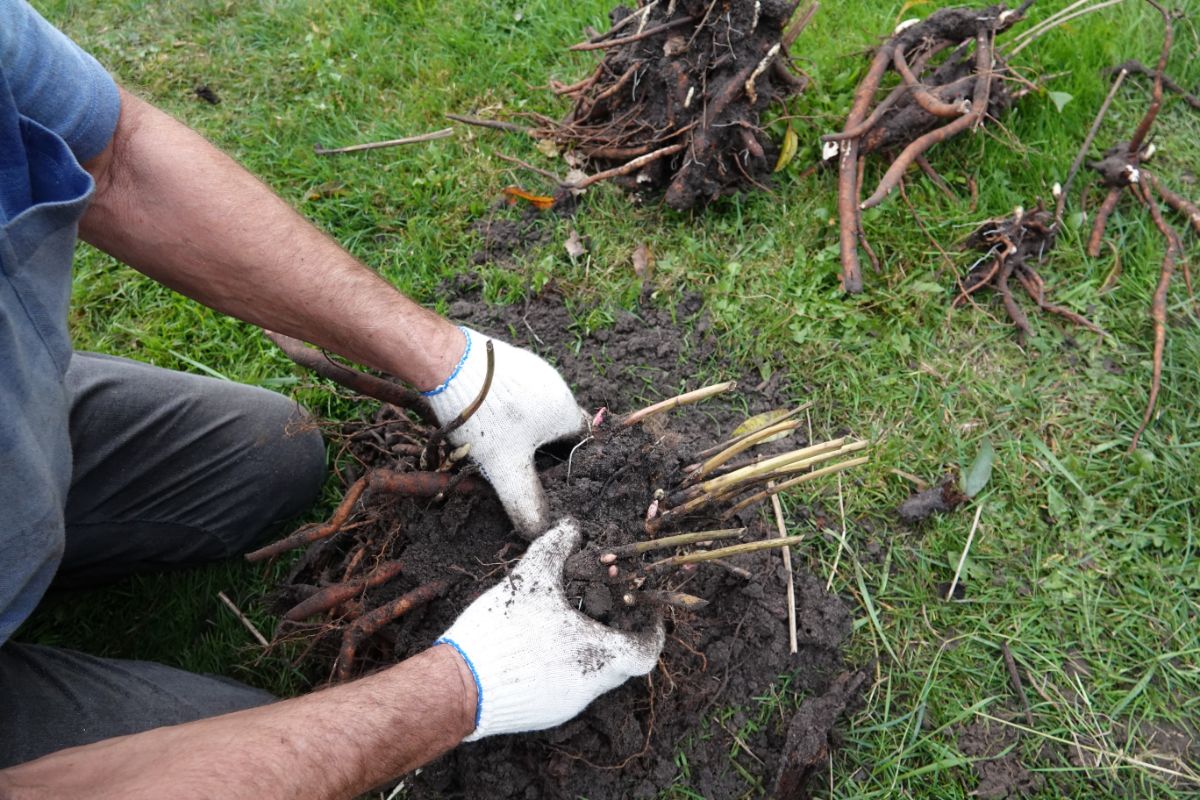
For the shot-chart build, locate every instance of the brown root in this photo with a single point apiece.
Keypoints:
(369, 624)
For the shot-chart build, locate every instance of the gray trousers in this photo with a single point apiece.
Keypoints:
(170, 470)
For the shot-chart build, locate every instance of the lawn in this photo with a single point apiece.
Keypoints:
(1085, 562)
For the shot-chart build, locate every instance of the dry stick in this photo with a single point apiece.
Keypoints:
(1014, 676)
(744, 444)
(436, 437)
(627, 168)
(338, 593)
(802, 456)
(242, 618)
(979, 104)
(628, 19)
(791, 579)
(1158, 313)
(717, 448)
(369, 624)
(1101, 222)
(734, 550)
(733, 569)
(494, 124)
(788, 484)
(354, 148)
(612, 553)
(545, 173)
(1087, 143)
(963, 558)
(382, 390)
(684, 399)
(793, 31)
(637, 37)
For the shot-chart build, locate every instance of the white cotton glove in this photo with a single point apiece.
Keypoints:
(538, 662)
(527, 406)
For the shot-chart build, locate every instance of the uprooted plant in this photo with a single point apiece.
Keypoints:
(674, 106)
(623, 571)
(953, 77)
(1122, 170)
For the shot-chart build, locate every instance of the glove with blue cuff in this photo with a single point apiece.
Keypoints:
(528, 405)
(537, 662)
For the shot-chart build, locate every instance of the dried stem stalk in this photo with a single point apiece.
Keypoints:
(669, 541)
(723, 552)
(785, 485)
(684, 399)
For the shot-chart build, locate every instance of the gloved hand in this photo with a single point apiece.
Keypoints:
(538, 662)
(527, 406)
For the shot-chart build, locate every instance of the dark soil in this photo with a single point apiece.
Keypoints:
(998, 767)
(701, 81)
(625, 744)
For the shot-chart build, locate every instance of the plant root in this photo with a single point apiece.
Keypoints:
(932, 103)
(370, 623)
(673, 108)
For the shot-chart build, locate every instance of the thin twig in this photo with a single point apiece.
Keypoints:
(963, 558)
(494, 124)
(611, 554)
(354, 148)
(791, 579)
(1087, 143)
(637, 37)
(628, 167)
(242, 618)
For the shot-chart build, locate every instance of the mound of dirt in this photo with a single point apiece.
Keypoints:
(626, 743)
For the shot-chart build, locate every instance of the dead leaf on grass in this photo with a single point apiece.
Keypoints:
(643, 261)
(575, 245)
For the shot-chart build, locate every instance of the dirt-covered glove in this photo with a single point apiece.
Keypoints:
(528, 405)
(537, 661)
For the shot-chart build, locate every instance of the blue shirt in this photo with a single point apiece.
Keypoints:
(58, 107)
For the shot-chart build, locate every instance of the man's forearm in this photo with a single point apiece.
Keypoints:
(171, 205)
(336, 743)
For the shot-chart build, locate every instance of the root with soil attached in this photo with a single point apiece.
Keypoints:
(673, 108)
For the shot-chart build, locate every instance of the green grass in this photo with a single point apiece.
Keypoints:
(1086, 560)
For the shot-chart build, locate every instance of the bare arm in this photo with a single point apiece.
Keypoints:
(336, 743)
(173, 206)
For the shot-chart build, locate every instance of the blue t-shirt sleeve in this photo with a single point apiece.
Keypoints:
(54, 82)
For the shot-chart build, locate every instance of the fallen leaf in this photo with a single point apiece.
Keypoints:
(326, 189)
(539, 201)
(575, 246)
(980, 471)
(1060, 99)
(788, 151)
(548, 148)
(760, 421)
(643, 261)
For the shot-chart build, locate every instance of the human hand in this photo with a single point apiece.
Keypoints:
(537, 662)
(528, 405)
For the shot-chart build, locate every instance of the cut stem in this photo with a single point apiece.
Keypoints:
(723, 552)
(744, 444)
(354, 148)
(811, 476)
(684, 399)
(684, 602)
(717, 448)
(791, 579)
(672, 541)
